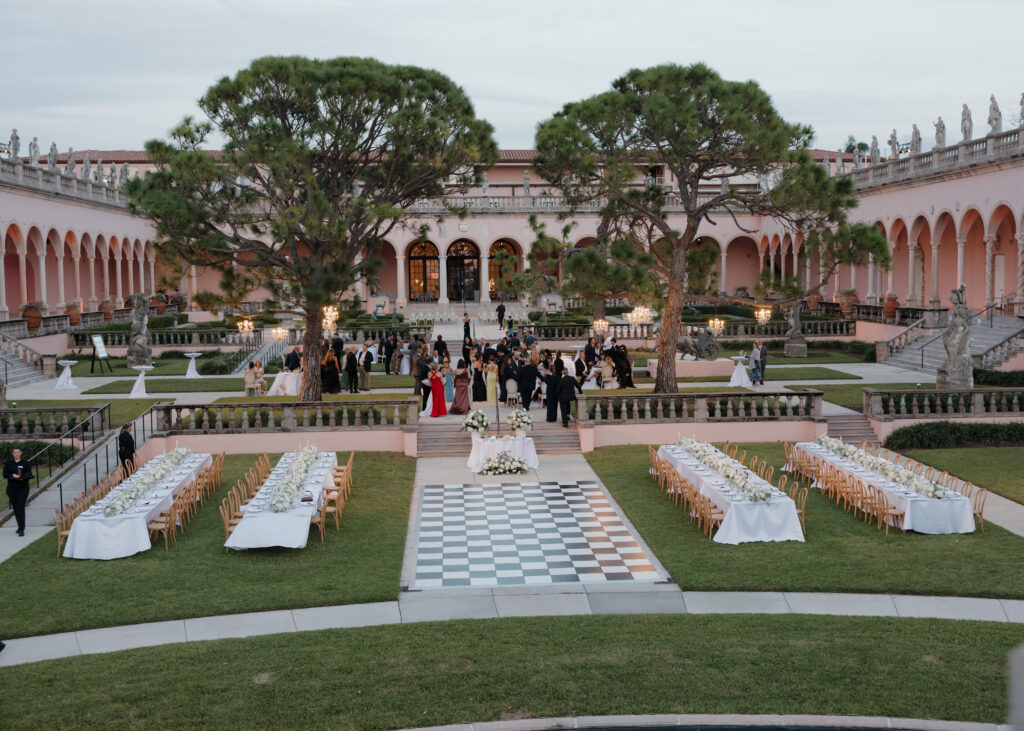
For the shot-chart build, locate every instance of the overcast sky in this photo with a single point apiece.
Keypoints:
(110, 74)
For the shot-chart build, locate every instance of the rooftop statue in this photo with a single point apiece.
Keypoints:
(69, 166)
(125, 173)
(112, 179)
(874, 150)
(51, 158)
(15, 145)
(894, 144)
(526, 182)
(828, 167)
(966, 125)
(940, 133)
(840, 165)
(995, 117)
(915, 141)
(97, 176)
(86, 168)
(33, 152)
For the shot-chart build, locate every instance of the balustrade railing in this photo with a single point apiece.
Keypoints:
(379, 332)
(900, 340)
(89, 422)
(53, 324)
(244, 417)
(55, 181)
(810, 328)
(1000, 352)
(699, 407)
(14, 328)
(20, 351)
(186, 337)
(921, 404)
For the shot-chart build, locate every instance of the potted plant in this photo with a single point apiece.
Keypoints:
(159, 301)
(847, 299)
(890, 306)
(813, 301)
(74, 312)
(107, 308)
(33, 312)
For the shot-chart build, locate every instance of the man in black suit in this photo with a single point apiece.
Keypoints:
(580, 367)
(367, 366)
(440, 349)
(421, 373)
(590, 352)
(763, 357)
(352, 369)
(338, 346)
(487, 353)
(292, 361)
(126, 445)
(527, 382)
(18, 473)
(389, 350)
(501, 315)
(567, 389)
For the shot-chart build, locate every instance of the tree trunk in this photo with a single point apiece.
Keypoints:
(665, 382)
(311, 356)
(599, 309)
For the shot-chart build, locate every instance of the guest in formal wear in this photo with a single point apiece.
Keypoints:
(249, 379)
(330, 375)
(448, 379)
(551, 381)
(527, 382)
(460, 403)
(467, 349)
(465, 325)
(589, 353)
(388, 349)
(625, 368)
(479, 386)
(437, 394)
(352, 370)
(763, 357)
(491, 370)
(501, 314)
(365, 366)
(18, 473)
(261, 384)
(422, 373)
(567, 388)
(440, 349)
(126, 447)
(293, 361)
(580, 367)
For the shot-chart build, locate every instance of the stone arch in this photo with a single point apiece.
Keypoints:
(1002, 226)
(87, 272)
(71, 253)
(972, 232)
(387, 280)
(742, 265)
(13, 241)
(512, 248)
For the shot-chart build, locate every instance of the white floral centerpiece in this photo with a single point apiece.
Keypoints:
(143, 481)
(293, 479)
(504, 463)
(476, 423)
(520, 422)
(889, 470)
(755, 489)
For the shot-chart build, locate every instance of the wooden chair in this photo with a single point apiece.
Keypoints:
(166, 524)
(753, 463)
(228, 522)
(801, 502)
(319, 519)
(888, 514)
(742, 457)
(346, 470)
(782, 483)
(978, 505)
(787, 449)
(768, 473)
(732, 452)
(60, 520)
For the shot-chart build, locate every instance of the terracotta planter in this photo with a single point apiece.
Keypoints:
(34, 318)
(74, 313)
(159, 304)
(846, 303)
(813, 301)
(108, 312)
(890, 306)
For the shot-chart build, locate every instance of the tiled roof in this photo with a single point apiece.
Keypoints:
(516, 155)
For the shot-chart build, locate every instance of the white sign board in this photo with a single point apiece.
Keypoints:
(101, 349)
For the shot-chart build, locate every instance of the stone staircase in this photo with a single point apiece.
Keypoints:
(17, 373)
(851, 428)
(983, 337)
(446, 440)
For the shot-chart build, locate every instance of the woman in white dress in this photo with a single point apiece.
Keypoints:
(590, 381)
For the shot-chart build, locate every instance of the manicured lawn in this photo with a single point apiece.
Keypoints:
(173, 385)
(488, 670)
(841, 553)
(121, 409)
(41, 593)
(997, 468)
(164, 367)
(811, 373)
(852, 397)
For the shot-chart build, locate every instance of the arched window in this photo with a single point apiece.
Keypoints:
(463, 271)
(494, 266)
(424, 273)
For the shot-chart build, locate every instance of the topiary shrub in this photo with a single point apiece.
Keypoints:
(1003, 379)
(216, 366)
(950, 435)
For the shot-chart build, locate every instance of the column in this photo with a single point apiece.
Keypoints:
(152, 277)
(853, 277)
(117, 281)
(4, 312)
(890, 279)
(400, 293)
(807, 270)
(782, 264)
(1020, 270)
(485, 279)
(934, 300)
(442, 263)
(871, 280)
(193, 281)
(42, 276)
(60, 282)
(796, 262)
(22, 275)
(911, 298)
(76, 262)
(94, 301)
(990, 247)
(960, 244)
(721, 279)
(821, 270)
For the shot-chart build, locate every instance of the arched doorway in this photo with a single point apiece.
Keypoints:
(463, 270)
(424, 273)
(508, 254)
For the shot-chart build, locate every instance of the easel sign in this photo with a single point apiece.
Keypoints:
(99, 352)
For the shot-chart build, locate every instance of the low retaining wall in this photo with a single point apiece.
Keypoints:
(360, 440)
(607, 435)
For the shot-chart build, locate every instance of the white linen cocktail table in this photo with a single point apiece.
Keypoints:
(286, 383)
(64, 382)
(191, 372)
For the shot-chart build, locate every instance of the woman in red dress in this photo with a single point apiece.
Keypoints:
(437, 394)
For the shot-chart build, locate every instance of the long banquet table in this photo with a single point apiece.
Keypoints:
(94, 535)
(949, 514)
(260, 527)
(745, 520)
(484, 449)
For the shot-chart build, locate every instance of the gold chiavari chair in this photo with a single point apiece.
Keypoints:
(63, 525)
(783, 479)
(800, 498)
(978, 499)
(888, 513)
(732, 452)
(653, 457)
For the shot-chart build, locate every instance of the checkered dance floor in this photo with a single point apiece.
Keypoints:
(524, 534)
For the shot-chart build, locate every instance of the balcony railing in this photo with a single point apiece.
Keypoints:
(285, 416)
(699, 407)
(185, 337)
(919, 404)
(55, 181)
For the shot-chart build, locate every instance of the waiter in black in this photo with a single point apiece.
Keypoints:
(18, 472)
(126, 446)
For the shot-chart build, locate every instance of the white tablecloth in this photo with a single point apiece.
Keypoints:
(404, 366)
(745, 520)
(951, 514)
(484, 449)
(286, 383)
(94, 535)
(139, 389)
(192, 372)
(739, 374)
(64, 382)
(261, 527)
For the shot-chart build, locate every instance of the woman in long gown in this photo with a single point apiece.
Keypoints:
(479, 387)
(491, 369)
(551, 381)
(330, 383)
(467, 349)
(460, 404)
(447, 378)
(437, 394)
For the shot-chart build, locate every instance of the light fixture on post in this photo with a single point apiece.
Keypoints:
(763, 315)
(716, 326)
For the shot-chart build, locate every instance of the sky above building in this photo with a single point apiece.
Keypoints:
(112, 74)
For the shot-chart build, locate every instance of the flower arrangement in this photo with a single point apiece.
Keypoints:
(143, 481)
(884, 467)
(504, 463)
(755, 489)
(476, 421)
(520, 420)
(293, 479)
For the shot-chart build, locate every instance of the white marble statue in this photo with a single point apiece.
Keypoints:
(112, 179)
(86, 171)
(33, 152)
(51, 158)
(357, 189)
(915, 141)
(840, 164)
(15, 145)
(995, 117)
(894, 145)
(966, 124)
(940, 133)
(957, 373)
(828, 165)
(69, 166)
(125, 173)
(875, 157)
(485, 184)
(97, 176)
(526, 182)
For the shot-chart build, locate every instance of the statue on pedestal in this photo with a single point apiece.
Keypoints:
(33, 152)
(86, 168)
(526, 183)
(15, 145)
(485, 184)
(840, 165)
(894, 145)
(874, 150)
(125, 173)
(995, 117)
(97, 176)
(51, 158)
(966, 124)
(940, 133)
(796, 343)
(139, 352)
(112, 179)
(915, 141)
(957, 373)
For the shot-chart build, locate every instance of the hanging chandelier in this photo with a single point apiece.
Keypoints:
(601, 327)
(246, 326)
(763, 315)
(716, 326)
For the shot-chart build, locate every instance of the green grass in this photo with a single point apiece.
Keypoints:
(164, 367)
(121, 410)
(841, 553)
(996, 468)
(810, 373)
(172, 385)
(41, 593)
(852, 397)
(482, 670)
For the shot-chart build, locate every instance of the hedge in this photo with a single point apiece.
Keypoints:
(950, 435)
(31, 447)
(1007, 379)
(159, 322)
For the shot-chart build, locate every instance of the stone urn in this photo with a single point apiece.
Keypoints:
(890, 306)
(846, 302)
(813, 301)
(159, 304)
(33, 316)
(74, 313)
(108, 311)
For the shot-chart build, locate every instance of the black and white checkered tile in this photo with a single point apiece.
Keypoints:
(524, 534)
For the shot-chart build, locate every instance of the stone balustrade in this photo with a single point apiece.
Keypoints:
(379, 332)
(290, 416)
(185, 337)
(18, 350)
(885, 348)
(927, 404)
(1000, 352)
(549, 201)
(55, 181)
(810, 328)
(90, 422)
(698, 407)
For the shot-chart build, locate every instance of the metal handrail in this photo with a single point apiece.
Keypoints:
(931, 340)
(86, 429)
